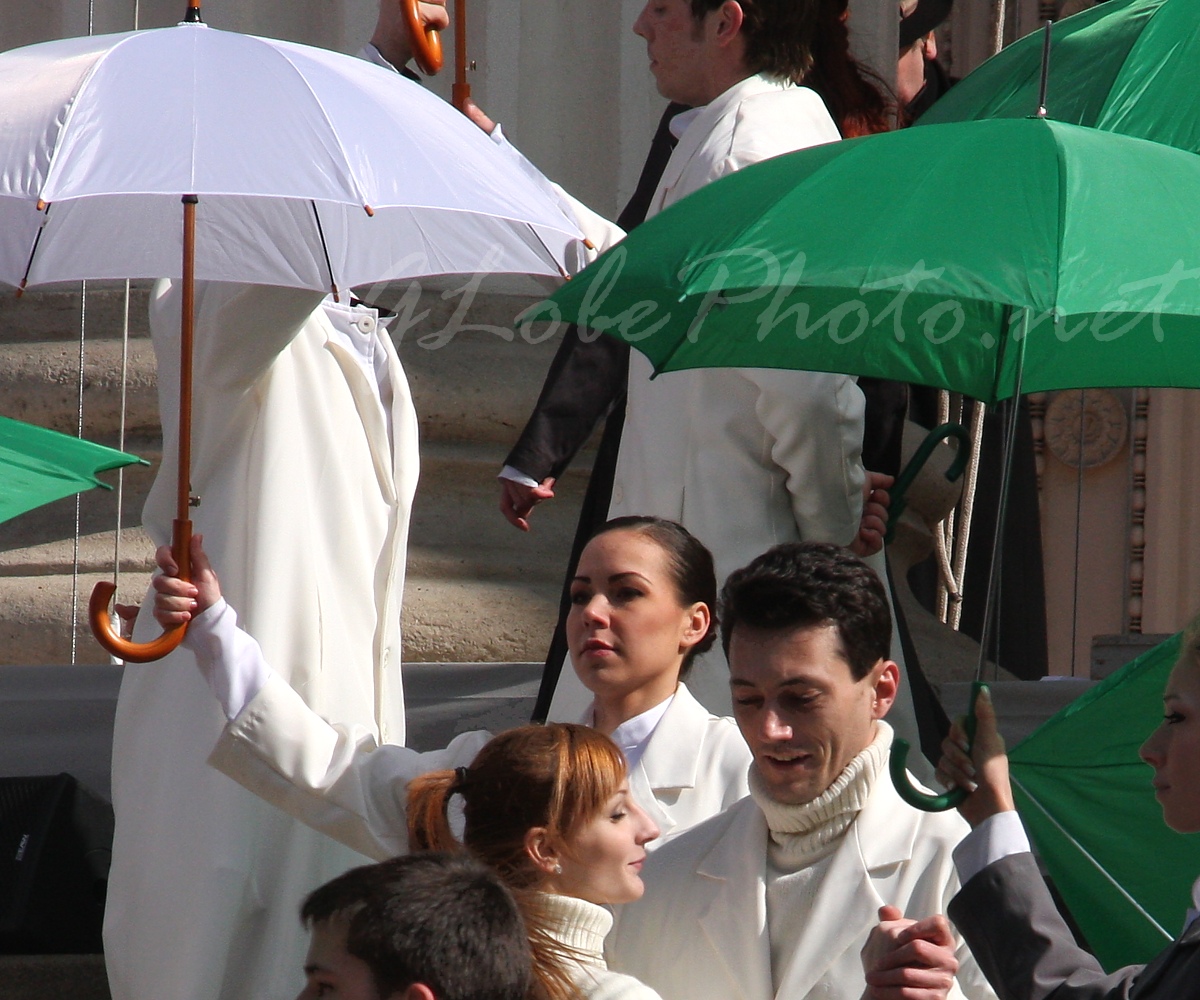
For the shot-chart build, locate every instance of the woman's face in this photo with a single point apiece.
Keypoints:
(627, 630)
(1173, 750)
(602, 861)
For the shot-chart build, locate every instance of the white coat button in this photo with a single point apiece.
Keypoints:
(366, 324)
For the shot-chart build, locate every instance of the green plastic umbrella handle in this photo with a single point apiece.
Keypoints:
(920, 457)
(904, 786)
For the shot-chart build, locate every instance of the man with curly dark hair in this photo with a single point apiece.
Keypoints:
(777, 896)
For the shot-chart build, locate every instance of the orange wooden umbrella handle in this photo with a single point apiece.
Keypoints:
(426, 43)
(101, 620)
(460, 93)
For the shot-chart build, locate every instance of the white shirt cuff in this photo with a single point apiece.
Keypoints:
(229, 658)
(517, 476)
(996, 837)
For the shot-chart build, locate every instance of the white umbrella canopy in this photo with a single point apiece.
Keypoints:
(295, 166)
(289, 148)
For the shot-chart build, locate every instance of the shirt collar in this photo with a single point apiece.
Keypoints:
(678, 125)
(632, 735)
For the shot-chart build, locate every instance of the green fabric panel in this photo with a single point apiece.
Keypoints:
(1083, 791)
(922, 255)
(38, 466)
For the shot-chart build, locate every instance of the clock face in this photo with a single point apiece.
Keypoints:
(1086, 428)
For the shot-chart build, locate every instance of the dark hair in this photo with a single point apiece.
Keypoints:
(856, 97)
(778, 34)
(690, 564)
(812, 584)
(559, 776)
(444, 920)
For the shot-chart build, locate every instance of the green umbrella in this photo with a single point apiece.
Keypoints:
(1086, 799)
(943, 255)
(38, 466)
(1129, 66)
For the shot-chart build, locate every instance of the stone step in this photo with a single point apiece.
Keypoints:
(477, 589)
(472, 378)
(53, 977)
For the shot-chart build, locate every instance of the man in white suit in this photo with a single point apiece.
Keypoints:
(775, 897)
(305, 458)
(744, 458)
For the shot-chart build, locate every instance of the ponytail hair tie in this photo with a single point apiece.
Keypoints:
(460, 780)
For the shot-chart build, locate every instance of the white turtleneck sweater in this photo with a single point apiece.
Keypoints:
(581, 927)
(803, 839)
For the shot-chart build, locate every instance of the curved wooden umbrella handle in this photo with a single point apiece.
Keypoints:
(426, 43)
(101, 620)
(904, 786)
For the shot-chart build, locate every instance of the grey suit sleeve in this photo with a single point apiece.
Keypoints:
(1007, 916)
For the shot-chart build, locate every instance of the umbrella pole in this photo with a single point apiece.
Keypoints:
(181, 533)
(1010, 441)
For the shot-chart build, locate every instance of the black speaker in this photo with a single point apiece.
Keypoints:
(55, 847)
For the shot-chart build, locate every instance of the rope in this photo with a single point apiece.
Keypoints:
(78, 496)
(1001, 17)
(968, 506)
(949, 586)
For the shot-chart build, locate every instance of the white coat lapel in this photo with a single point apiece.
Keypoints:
(701, 130)
(672, 759)
(847, 904)
(371, 414)
(735, 923)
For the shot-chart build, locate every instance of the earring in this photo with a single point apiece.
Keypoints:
(557, 869)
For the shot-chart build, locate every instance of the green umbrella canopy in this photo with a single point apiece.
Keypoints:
(1086, 799)
(938, 255)
(38, 466)
(1129, 66)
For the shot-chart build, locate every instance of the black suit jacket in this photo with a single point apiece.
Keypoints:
(1005, 913)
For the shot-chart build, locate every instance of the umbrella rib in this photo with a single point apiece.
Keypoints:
(362, 198)
(325, 250)
(1091, 860)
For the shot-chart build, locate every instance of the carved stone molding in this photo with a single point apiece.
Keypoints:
(1085, 428)
(1137, 512)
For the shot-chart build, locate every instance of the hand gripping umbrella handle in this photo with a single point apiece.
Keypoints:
(904, 786)
(920, 457)
(101, 620)
(426, 43)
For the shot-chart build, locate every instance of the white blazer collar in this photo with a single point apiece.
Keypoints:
(843, 910)
(671, 760)
(847, 904)
(702, 125)
(735, 922)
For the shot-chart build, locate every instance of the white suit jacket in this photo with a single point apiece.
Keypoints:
(305, 508)
(744, 458)
(700, 931)
(695, 766)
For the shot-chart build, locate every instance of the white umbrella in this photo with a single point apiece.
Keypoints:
(296, 166)
(106, 133)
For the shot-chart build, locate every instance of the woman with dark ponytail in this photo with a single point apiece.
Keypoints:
(643, 603)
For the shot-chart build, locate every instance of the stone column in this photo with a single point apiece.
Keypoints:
(1171, 587)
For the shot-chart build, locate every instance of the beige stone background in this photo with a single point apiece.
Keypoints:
(569, 82)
